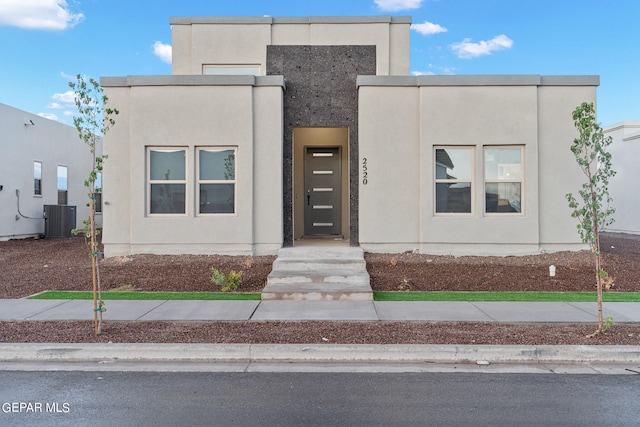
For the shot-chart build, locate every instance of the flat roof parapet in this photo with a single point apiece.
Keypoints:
(478, 80)
(247, 20)
(192, 80)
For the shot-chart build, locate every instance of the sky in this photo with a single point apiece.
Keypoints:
(44, 44)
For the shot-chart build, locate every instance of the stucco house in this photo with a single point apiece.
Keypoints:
(271, 132)
(625, 152)
(43, 167)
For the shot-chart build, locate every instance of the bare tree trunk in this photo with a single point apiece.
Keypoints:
(596, 251)
(599, 279)
(93, 264)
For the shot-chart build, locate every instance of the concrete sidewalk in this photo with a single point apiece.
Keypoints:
(322, 357)
(431, 311)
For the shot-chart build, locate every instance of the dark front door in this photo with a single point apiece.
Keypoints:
(322, 183)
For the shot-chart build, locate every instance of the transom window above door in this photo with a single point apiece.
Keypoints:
(231, 70)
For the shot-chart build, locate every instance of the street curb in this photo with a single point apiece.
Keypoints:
(317, 353)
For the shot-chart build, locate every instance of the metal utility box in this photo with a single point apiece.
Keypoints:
(59, 220)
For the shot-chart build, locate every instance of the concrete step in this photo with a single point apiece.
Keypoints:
(317, 292)
(297, 264)
(319, 273)
(324, 276)
(321, 252)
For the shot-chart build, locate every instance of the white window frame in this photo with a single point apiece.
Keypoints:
(64, 190)
(521, 181)
(97, 193)
(228, 181)
(470, 181)
(184, 181)
(231, 70)
(36, 178)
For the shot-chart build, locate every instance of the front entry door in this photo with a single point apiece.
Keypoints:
(322, 184)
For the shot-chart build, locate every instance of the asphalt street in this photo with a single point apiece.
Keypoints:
(309, 399)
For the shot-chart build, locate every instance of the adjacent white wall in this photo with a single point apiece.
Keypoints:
(51, 143)
(625, 152)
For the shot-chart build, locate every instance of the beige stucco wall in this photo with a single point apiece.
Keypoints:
(559, 173)
(52, 143)
(389, 132)
(403, 119)
(216, 40)
(190, 112)
(625, 153)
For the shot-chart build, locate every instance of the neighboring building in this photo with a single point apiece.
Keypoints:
(625, 152)
(43, 163)
(273, 130)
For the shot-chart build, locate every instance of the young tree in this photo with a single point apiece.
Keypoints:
(593, 208)
(92, 122)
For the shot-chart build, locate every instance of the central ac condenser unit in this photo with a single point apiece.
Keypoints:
(59, 220)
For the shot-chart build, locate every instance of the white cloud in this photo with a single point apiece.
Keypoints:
(466, 49)
(68, 97)
(69, 113)
(68, 76)
(427, 28)
(439, 71)
(55, 106)
(162, 51)
(38, 14)
(395, 5)
(49, 116)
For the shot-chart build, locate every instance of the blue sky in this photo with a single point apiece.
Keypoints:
(44, 43)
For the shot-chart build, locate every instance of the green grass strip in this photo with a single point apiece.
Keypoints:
(507, 296)
(377, 296)
(106, 295)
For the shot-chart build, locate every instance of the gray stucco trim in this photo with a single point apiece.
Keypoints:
(478, 80)
(244, 20)
(570, 80)
(192, 80)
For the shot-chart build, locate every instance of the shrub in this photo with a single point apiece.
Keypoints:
(226, 283)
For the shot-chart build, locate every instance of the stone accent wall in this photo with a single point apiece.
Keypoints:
(320, 92)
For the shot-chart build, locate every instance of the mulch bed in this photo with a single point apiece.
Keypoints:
(31, 266)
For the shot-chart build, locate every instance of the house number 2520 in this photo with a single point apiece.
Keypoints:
(364, 171)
